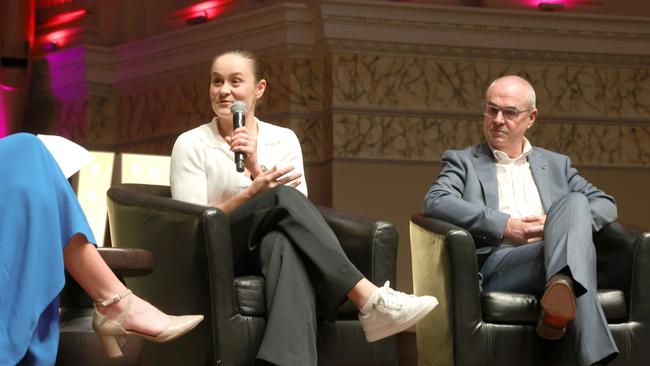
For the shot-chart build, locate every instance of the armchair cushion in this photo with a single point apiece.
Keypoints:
(509, 308)
(513, 308)
(250, 295)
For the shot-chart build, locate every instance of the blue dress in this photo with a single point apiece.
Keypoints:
(39, 214)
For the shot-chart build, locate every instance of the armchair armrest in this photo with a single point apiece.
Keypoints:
(623, 264)
(444, 265)
(371, 245)
(123, 262)
(130, 262)
(615, 254)
(640, 291)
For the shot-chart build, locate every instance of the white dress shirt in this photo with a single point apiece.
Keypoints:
(518, 194)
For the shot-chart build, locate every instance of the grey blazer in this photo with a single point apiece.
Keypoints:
(466, 192)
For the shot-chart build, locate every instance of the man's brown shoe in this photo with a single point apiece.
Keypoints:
(558, 307)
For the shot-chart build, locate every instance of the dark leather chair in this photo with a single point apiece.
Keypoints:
(198, 271)
(498, 328)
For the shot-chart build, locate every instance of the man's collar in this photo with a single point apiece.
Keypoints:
(502, 157)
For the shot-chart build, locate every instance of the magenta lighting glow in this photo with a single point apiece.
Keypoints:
(199, 13)
(64, 18)
(536, 3)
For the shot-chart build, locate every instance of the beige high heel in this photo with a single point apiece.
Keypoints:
(107, 329)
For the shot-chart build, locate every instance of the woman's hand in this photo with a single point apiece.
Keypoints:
(275, 177)
(264, 181)
(242, 141)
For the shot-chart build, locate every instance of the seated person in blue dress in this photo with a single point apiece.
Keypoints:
(535, 214)
(44, 231)
(307, 274)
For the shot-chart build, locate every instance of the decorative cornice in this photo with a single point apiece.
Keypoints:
(481, 27)
(476, 53)
(544, 30)
(395, 111)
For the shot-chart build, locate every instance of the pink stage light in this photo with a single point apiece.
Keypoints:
(199, 13)
(7, 88)
(206, 7)
(64, 18)
(536, 3)
(58, 39)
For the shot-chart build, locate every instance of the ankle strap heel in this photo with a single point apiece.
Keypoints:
(106, 328)
(111, 347)
(113, 300)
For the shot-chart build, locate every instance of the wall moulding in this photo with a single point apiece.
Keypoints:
(477, 116)
(475, 27)
(483, 53)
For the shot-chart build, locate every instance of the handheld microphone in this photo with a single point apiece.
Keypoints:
(238, 110)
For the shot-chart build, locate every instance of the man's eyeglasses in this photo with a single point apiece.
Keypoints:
(509, 113)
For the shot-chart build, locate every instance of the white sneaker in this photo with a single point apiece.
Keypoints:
(388, 312)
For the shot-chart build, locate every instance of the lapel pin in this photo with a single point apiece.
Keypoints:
(543, 166)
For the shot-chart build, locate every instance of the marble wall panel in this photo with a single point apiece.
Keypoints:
(371, 137)
(103, 120)
(294, 99)
(293, 83)
(49, 115)
(164, 110)
(364, 136)
(277, 73)
(315, 137)
(307, 84)
(437, 83)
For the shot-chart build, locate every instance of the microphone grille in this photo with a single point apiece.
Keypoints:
(238, 106)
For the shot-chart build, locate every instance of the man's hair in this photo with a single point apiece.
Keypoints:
(532, 98)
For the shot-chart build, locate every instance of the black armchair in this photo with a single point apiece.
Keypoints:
(198, 271)
(498, 328)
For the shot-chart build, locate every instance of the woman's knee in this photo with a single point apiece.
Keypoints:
(274, 242)
(288, 192)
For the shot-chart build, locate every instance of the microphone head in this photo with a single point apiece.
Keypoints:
(238, 107)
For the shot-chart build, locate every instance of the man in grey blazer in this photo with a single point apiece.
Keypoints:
(533, 215)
